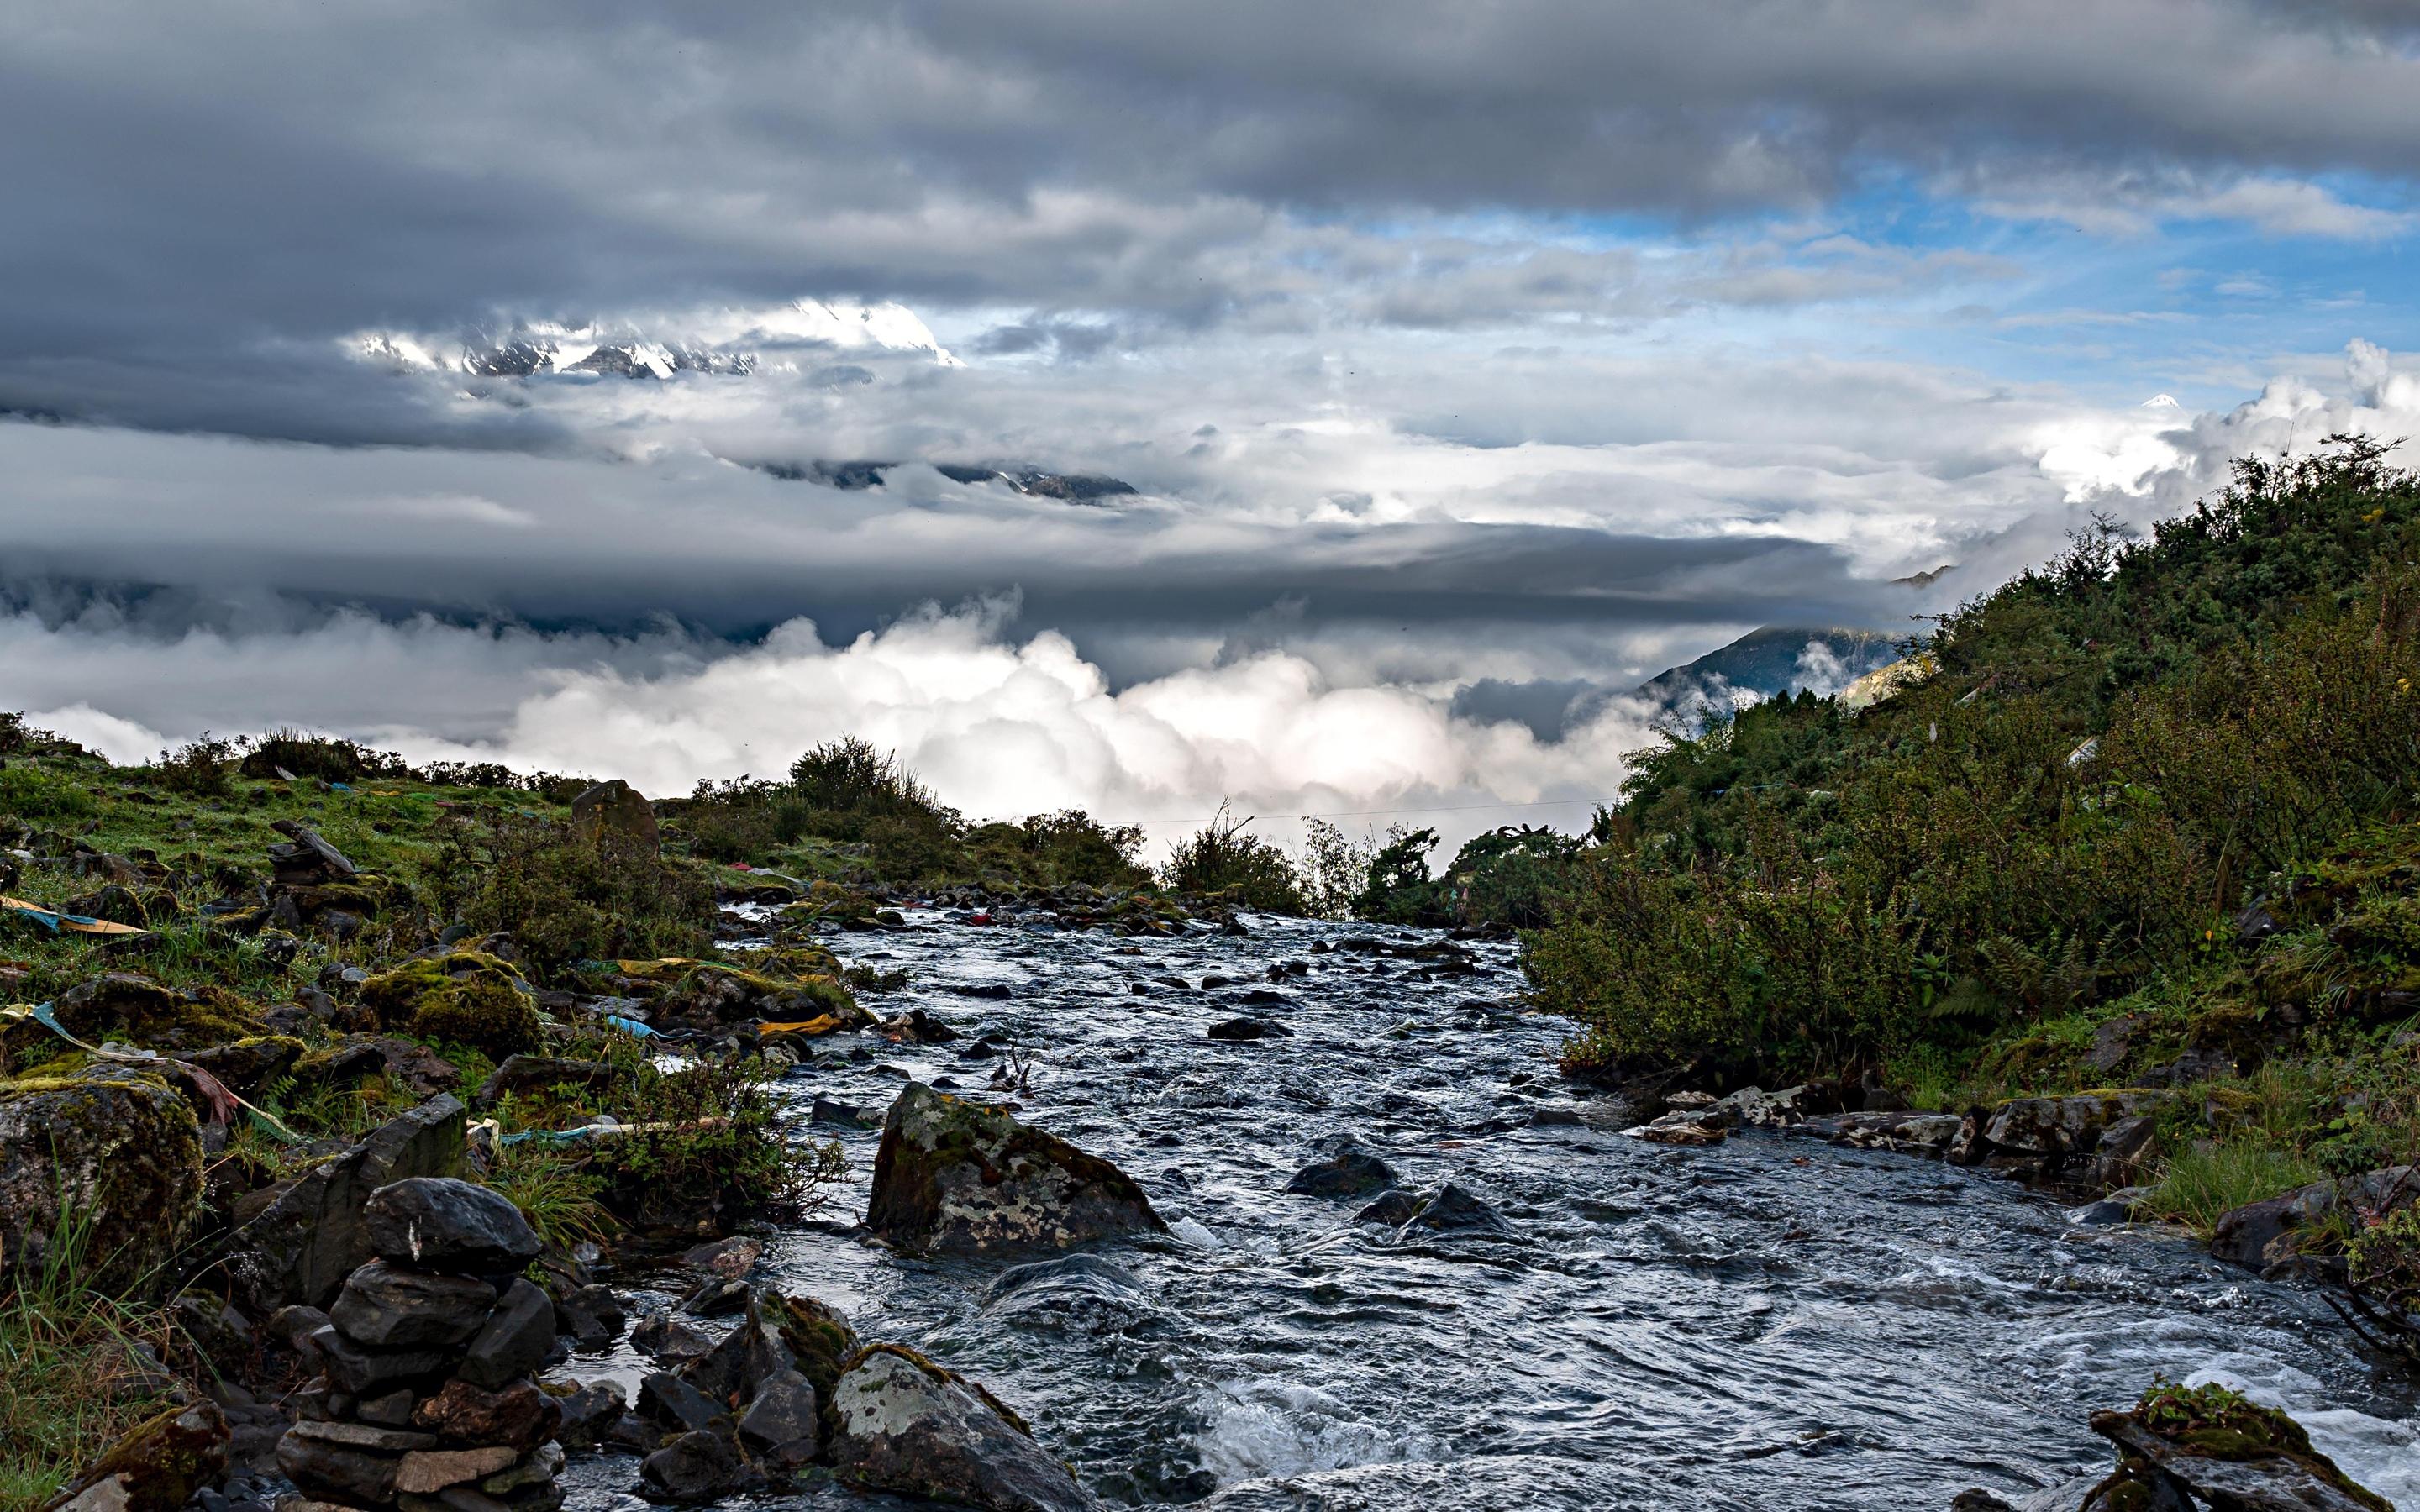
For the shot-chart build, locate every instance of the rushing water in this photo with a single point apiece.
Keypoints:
(1772, 1323)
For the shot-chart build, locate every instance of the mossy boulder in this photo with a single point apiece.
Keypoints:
(907, 1425)
(109, 1157)
(156, 1467)
(820, 1340)
(2208, 1447)
(961, 1176)
(467, 999)
(708, 995)
(136, 1009)
(245, 1066)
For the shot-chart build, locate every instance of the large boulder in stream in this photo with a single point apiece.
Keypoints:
(904, 1425)
(2206, 1446)
(954, 1175)
(115, 1147)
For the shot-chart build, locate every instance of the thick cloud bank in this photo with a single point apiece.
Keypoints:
(1000, 727)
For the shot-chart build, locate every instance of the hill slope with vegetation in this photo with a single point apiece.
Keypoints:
(2150, 821)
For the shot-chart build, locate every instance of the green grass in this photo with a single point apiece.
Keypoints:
(71, 1384)
(561, 1200)
(2203, 1182)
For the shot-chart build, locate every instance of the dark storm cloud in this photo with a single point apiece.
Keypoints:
(184, 182)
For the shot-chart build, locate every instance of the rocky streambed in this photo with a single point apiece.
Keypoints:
(1405, 1266)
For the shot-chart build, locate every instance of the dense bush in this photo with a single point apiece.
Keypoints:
(564, 898)
(2115, 754)
(1225, 858)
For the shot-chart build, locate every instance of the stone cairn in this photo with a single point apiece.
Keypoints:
(427, 1403)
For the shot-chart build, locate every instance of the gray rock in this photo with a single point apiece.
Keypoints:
(696, 1466)
(385, 1305)
(614, 807)
(302, 1248)
(358, 1371)
(747, 1355)
(536, 1467)
(2261, 1234)
(441, 1223)
(337, 1472)
(393, 1410)
(2061, 1126)
(783, 1419)
(2269, 1483)
(1393, 1209)
(591, 1315)
(903, 1424)
(1243, 1030)
(666, 1398)
(1457, 1209)
(589, 1414)
(957, 1174)
(670, 1339)
(516, 1340)
(1349, 1171)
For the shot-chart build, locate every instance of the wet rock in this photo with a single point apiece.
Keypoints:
(1702, 1124)
(916, 1027)
(668, 1339)
(819, 1338)
(1913, 1134)
(520, 1415)
(905, 1424)
(2117, 1207)
(303, 1245)
(668, 1399)
(2255, 1459)
(444, 1224)
(956, 1175)
(715, 1297)
(1241, 1030)
(729, 1258)
(749, 1353)
(385, 1305)
(1457, 1209)
(358, 1371)
(156, 1467)
(1393, 1208)
(589, 1414)
(517, 1339)
(427, 1471)
(111, 1141)
(615, 809)
(591, 1316)
(2056, 1128)
(696, 1466)
(783, 1420)
(2124, 1151)
(1349, 1171)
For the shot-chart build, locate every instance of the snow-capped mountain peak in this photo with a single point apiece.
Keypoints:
(725, 340)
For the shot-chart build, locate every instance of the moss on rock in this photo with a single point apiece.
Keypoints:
(468, 999)
(108, 1157)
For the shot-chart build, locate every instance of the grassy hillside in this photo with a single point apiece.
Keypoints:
(2152, 818)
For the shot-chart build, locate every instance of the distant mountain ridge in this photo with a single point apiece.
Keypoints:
(1773, 660)
(733, 342)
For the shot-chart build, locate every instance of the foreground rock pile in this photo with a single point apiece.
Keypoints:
(793, 1387)
(428, 1402)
